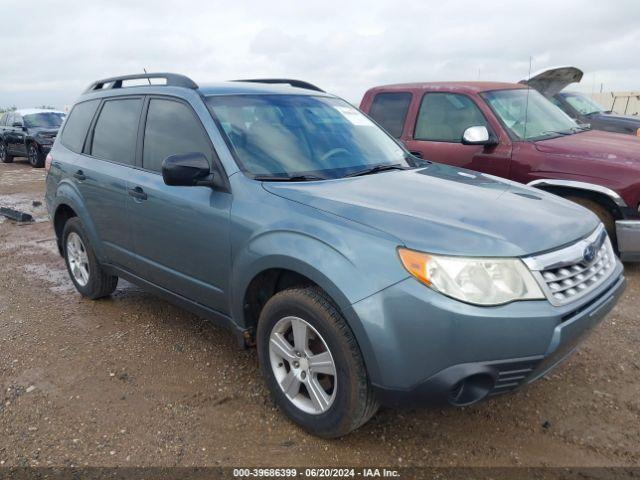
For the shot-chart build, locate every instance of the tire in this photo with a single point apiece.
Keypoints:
(4, 154)
(603, 213)
(84, 269)
(349, 400)
(35, 156)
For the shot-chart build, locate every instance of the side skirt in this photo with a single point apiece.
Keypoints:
(218, 318)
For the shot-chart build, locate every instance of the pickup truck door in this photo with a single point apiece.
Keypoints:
(439, 120)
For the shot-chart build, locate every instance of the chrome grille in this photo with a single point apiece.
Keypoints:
(568, 274)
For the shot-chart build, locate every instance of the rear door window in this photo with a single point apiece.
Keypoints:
(171, 128)
(443, 117)
(76, 126)
(390, 111)
(116, 131)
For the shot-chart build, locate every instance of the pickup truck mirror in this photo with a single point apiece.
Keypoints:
(187, 170)
(478, 135)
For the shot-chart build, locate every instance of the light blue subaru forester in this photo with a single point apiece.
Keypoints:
(363, 275)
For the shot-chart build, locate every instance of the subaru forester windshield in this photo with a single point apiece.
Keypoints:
(528, 115)
(302, 137)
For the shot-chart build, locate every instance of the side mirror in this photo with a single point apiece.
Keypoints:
(478, 135)
(187, 170)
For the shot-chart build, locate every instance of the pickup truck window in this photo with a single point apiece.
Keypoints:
(116, 131)
(76, 126)
(527, 115)
(390, 111)
(302, 135)
(443, 117)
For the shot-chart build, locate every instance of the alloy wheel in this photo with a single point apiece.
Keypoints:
(78, 259)
(303, 365)
(33, 155)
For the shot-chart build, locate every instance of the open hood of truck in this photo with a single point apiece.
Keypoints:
(552, 80)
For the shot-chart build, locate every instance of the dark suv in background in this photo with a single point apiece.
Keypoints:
(551, 83)
(28, 133)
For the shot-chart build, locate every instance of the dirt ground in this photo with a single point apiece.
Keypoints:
(134, 381)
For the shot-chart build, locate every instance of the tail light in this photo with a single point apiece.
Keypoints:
(47, 163)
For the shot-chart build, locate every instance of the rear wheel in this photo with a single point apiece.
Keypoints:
(86, 273)
(4, 154)
(312, 363)
(35, 156)
(602, 212)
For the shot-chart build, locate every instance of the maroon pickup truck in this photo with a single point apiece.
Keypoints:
(512, 131)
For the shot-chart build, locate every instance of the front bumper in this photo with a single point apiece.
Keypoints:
(628, 233)
(432, 350)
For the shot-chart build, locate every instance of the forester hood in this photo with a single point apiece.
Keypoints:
(441, 209)
(552, 80)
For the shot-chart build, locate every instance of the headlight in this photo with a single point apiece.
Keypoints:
(480, 281)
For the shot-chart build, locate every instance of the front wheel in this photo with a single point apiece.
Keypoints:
(35, 156)
(86, 273)
(4, 153)
(312, 363)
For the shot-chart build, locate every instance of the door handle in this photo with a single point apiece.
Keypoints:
(138, 193)
(80, 175)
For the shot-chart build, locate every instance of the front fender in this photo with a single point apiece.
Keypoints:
(67, 194)
(321, 263)
(301, 253)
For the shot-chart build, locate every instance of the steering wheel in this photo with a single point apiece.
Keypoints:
(333, 152)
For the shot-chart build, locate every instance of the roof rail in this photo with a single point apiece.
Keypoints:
(172, 79)
(288, 81)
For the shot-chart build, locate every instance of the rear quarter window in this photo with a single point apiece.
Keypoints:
(77, 124)
(390, 111)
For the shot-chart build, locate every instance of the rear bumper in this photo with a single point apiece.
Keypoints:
(500, 351)
(628, 233)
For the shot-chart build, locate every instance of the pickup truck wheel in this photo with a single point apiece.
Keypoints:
(35, 157)
(602, 213)
(4, 154)
(312, 363)
(86, 273)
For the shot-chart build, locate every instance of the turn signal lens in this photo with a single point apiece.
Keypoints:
(415, 263)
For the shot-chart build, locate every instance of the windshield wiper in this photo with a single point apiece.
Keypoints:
(377, 168)
(292, 178)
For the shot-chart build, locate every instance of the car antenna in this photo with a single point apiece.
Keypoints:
(149, 80)
(526, 106)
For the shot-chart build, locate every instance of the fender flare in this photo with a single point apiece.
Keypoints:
(286, 250)
(590, 187)
(68, 195)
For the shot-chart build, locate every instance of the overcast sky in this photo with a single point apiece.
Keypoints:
(52, 50)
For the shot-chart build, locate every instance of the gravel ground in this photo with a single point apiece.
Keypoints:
(133, 381)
